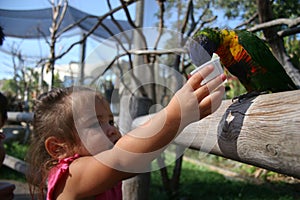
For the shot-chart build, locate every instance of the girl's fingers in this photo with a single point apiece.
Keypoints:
(209, 87)
(212, 102)
(197, 78)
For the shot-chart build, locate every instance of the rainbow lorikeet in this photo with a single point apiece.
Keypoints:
(245, 56)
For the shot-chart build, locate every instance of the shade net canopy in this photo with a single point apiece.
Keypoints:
(37, 23)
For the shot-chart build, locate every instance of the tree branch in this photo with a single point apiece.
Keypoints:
(186, 18)
(204, 21)
(130, 21)
(247, 21)
(117, 23)
(281, 21)
(100, 19)
(143, 52)
(288, 32)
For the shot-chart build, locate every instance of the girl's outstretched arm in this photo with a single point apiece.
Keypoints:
(191, 103)
(133, 153)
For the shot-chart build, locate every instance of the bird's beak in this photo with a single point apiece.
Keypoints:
(200, 52)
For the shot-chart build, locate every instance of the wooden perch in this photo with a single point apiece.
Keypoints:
(20, 116)
(15, 164)
(263, 131)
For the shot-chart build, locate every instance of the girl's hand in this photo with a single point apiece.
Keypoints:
(195, 101)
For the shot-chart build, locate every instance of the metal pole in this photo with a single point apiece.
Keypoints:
(82, 57)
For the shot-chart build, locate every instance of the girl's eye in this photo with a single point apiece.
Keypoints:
(111, 122)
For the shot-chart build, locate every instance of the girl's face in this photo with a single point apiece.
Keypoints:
(96, 127)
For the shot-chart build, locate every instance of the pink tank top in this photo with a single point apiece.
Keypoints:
(62, 168)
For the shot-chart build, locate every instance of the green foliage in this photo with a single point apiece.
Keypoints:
(176, 9)
(245, 9)
(286, 8)
(23, 87)
(7, 173)
(237, 8)
(198, 182)
(10, 86)
(57, 82)
(234, 87)
(16, 149)
(15, 88)
(293, 49)
(19, 151)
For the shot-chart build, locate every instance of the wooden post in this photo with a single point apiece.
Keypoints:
(138, 187)
(263, 131)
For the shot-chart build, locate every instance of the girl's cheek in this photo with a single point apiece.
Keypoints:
(94, 141)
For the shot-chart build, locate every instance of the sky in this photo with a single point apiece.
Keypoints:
(95, 7)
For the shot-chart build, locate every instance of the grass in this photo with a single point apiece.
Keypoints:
(199, 183)
(7, 173)
(17, 150)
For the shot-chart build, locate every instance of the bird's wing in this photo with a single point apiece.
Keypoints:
(262, 55)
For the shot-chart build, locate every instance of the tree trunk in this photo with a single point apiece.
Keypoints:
(136, 188)
(265, 14)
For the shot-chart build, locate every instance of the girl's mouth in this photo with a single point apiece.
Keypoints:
(115, 141)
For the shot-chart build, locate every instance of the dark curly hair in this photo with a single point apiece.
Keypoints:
(53, 116)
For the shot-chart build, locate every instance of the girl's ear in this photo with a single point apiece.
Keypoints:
(55, 147)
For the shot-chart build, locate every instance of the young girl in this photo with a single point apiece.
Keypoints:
(79, 153)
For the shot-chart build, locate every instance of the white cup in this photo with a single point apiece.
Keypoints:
(218, 70)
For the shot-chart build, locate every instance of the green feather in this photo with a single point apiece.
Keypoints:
(275, 77)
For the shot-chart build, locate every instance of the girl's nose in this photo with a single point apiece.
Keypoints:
(111, 130)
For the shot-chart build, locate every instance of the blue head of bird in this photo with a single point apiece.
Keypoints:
(205, 42)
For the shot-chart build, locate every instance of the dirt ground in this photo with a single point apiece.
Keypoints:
(21, 191)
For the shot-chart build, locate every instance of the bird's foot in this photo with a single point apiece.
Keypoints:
(248, 95)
